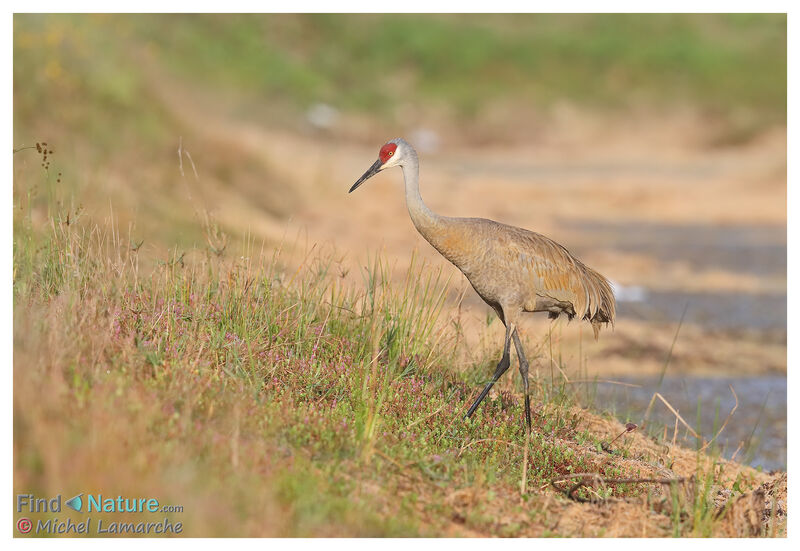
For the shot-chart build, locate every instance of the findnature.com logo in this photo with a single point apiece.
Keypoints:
(94, 503)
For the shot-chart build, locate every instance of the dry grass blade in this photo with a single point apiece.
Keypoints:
(180, 155)
(424, 418)
(302, 265)
(469, 444)
(728, 418)
(566, 379)
(672, 409)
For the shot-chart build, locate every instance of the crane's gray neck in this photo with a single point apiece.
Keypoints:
(425, 220)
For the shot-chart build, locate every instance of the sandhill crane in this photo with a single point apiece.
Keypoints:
(513, 270)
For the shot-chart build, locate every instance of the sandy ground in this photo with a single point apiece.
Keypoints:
(589, 169)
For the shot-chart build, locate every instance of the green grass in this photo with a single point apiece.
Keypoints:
(723, 62)
(277, 400)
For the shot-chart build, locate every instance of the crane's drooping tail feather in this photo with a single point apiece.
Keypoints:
(601, 306)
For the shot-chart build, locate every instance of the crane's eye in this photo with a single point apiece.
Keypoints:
(391, 153)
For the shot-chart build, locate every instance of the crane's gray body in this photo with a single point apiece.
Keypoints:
(516, 270)
(512, 269)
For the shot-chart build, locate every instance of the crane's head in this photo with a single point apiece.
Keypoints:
(392, 153)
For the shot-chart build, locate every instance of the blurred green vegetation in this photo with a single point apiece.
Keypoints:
(103, 89)
(726, 65)
(372, 62)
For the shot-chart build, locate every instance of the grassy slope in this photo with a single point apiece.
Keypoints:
(272, 402)
(247, 391)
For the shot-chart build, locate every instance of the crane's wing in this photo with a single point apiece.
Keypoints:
(554, 273)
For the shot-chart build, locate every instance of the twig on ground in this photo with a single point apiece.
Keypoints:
(590, 479)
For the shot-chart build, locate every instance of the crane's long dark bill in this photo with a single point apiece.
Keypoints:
(373, 170)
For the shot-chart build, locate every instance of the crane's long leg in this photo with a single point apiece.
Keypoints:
(523, 371)
(504, 364)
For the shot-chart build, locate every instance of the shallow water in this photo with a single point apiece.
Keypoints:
(755, 250)
(758, 250)
(757, 427)
(720, 310)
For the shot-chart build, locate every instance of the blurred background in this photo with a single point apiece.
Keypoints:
(652, 146)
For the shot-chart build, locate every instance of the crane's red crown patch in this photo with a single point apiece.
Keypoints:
(387, 151)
